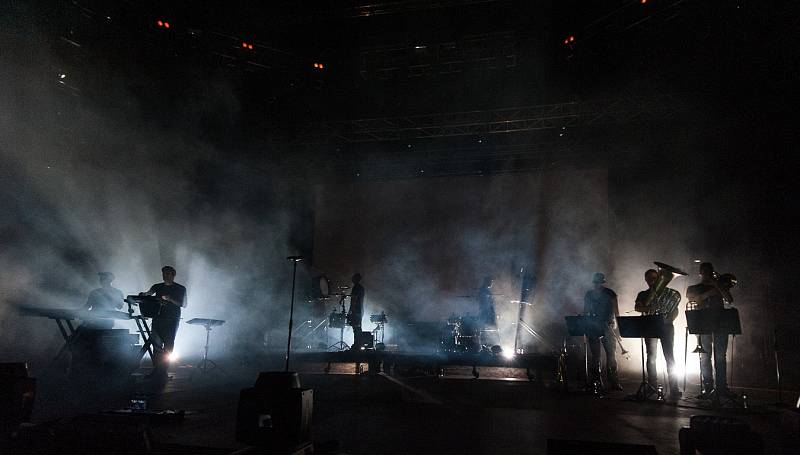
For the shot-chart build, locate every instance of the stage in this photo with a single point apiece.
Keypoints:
(408, 409)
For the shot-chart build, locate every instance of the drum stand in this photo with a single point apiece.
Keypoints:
(340, 345)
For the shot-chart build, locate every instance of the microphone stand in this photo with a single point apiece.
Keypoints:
(295, 260)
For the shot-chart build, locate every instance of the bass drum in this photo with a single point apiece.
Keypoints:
(336, 320)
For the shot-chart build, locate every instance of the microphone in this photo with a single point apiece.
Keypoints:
(294, 258)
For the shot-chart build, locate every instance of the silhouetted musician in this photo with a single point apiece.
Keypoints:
(356, 308)
(104, 298)
(487, 314)
(165, 324)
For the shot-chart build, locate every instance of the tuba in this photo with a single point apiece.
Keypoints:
(662, 300)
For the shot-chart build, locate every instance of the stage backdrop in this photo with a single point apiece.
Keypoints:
(424, 245)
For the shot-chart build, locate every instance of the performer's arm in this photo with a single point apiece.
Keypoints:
(639, 304)
(615, 306)
(150, 291)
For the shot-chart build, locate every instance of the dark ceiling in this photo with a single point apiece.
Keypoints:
(412, 64)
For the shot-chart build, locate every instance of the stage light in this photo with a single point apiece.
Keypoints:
(642, 1)
(172, 357)
(319, 66)
(246, 45)
(166, 24)
(160, 23)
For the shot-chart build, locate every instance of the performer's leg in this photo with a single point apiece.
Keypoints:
(668, 346)
(721, 363)
(594, 365)
(705, 364)
(652, 360)
(610, 346)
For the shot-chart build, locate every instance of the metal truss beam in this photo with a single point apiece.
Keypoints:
(497, 121)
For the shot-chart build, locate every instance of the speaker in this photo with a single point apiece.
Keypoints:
(573, 447)
(365, 340)
(719, 435)
(17, 393)
(276, 413)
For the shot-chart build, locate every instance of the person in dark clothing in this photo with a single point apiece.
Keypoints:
(104, 298)
(667, 336)
(487, 316)
(356, 311)
(601, 302)
(709, 295)
(165, 325)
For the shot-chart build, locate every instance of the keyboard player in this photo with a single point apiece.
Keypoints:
(165, 324)
(104, 298)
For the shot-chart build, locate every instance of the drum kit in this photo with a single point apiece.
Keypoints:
(461, 335)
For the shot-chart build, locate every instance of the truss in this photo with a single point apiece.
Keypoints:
(497, 121)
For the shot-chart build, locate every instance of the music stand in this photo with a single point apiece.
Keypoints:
(709, 321)
(585, 326)
(203, 365)
(650, 326)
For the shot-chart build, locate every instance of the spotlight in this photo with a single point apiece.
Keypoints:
(172, 357)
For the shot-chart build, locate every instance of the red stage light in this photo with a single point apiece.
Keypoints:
(166, 24)
(160, 23)
(571, 38)
(250, 46)
(643, 1)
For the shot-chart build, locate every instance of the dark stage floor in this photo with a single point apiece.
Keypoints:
(409, 412)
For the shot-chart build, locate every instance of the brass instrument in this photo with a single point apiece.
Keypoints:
(619, 342)
(662, 300)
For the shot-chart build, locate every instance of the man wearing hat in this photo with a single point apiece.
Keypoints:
(165, 325)
(601, 302)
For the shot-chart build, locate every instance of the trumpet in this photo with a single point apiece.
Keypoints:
(624, 353)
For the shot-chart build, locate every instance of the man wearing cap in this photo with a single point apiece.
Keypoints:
(601, 302)
(165, 325)
(104, 298)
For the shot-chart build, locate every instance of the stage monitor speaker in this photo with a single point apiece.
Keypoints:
(365, 341)
(17, 393)
(276, 413)
(573, 447)
(711, 435)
